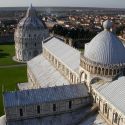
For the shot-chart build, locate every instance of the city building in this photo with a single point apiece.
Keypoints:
(62, 83)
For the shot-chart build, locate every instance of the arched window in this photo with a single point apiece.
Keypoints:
(21, 112)
(116, 117)
(54, 107)
(106, 109)
(70, 104)
(99, 70)
(114, 72)
(106, 72)
(102, 71)
(38, 109)
(35, 44)
(110, 72)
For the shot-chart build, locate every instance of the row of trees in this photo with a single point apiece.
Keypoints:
(74, 33)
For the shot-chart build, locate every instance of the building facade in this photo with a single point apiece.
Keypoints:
(29, 34)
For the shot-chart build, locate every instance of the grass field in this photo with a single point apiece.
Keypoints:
(6, 54)
(9, 77)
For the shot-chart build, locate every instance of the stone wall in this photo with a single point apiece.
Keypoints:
(45, 109)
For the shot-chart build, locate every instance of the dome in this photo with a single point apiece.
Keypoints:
(105, 48)
(107, 24)
(31, 20)
(28, 36)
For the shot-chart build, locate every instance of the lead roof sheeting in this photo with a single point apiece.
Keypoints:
(105, 48)
(114, 92)
(67, 54)
(43, 95)
(45, 74)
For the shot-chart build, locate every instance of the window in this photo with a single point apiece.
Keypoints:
(106, 108)
(34, 35)
(21, 112)
(35, 44)
(26, 44)
(70, 104)
(115, 117)
(38, 109)
(54, 107)
(86, 76)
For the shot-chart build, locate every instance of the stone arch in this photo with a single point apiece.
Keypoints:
(94, 80)
(82, 77)
(99, 70)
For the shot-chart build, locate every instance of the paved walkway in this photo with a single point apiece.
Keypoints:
(10, 66)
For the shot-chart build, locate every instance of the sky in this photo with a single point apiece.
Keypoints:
(77, 3)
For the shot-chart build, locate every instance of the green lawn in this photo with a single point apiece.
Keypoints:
(6, 54)
(9, 77)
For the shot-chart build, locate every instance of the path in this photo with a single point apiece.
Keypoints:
(10, 66)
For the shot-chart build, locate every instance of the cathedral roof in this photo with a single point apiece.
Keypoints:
(105, 48)
(31, 20)
(45, 73)
(113, 92)
(68, 55)
(44, 95)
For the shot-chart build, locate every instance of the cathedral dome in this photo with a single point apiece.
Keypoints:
(105, 48)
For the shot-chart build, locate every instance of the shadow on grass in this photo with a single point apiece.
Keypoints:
(7, 43)
(3, 55)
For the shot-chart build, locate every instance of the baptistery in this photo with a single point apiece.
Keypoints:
(29, 34)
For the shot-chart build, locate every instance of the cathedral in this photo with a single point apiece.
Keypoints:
(65, 86)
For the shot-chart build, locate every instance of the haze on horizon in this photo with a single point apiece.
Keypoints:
(67, 3)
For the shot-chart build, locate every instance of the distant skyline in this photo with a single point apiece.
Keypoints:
(67, 3)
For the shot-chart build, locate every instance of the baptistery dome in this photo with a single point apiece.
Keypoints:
(105, 48)
(28, 36)
(31, 21)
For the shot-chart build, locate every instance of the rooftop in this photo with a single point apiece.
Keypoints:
(113, 92)
(45, 73)
(44, 95)
(105, 48)
(68, 55)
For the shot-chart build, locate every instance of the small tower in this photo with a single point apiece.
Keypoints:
(29, 35)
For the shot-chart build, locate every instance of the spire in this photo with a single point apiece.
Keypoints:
(31, 12)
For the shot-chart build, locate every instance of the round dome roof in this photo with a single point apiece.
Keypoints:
(105, 48)
(31, 20)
